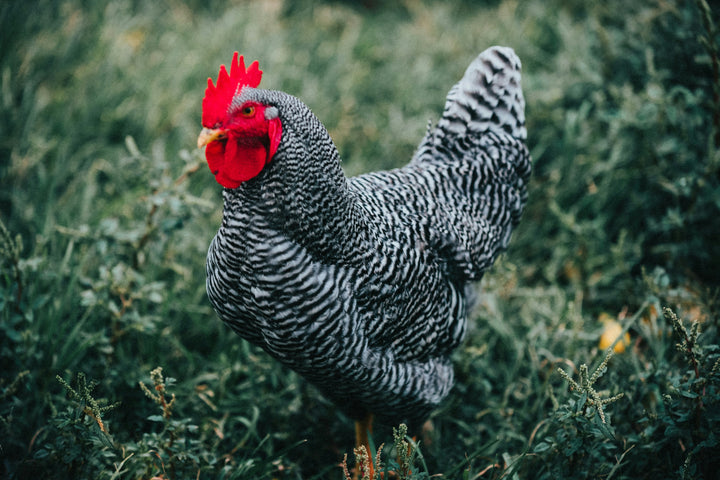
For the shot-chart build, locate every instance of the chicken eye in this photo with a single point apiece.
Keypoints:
(248, 111)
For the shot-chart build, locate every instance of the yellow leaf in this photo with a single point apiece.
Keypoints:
(610, 333)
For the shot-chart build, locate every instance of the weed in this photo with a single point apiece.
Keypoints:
(589, 397)
(90, 407)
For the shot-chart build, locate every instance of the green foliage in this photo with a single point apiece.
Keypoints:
(403, 463)
(408, 457)
(106, 215)
(589, 396)
(670, 430)
(80, 442)
(624, 156)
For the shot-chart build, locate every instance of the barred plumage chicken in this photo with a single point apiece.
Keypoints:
(358, 284)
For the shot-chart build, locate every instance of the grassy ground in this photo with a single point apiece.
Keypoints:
(107, 211)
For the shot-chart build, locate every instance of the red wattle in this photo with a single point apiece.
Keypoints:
(274, 135)
(242, 161)
(234, 162)
(215, 155)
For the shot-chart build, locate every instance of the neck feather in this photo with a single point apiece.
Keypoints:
(302, 192)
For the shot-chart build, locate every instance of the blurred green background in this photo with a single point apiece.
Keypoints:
(107, 211)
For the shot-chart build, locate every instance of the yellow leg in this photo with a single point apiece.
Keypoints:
(363, 428)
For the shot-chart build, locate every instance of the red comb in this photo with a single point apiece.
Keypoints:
(218, 97)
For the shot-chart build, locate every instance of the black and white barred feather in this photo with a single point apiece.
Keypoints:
(359, 284)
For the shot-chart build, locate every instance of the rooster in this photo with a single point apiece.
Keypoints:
(359, 284)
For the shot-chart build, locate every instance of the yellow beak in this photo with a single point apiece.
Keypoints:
(208, 135)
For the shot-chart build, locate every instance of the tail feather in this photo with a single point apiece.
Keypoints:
(481, 163)
(487, 98)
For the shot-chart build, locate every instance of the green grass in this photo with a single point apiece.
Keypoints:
(107, 211)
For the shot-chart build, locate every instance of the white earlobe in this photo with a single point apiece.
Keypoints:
(271, 112)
